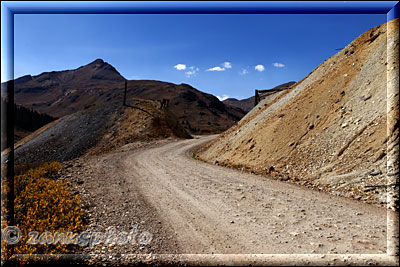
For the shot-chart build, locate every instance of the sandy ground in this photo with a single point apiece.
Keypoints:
(192, 207)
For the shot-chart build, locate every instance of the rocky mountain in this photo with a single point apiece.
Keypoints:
(335, 130)
(247, 104)
(61, 93)
(199, 112)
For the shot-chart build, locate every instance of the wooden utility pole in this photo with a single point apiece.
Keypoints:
(126, 88)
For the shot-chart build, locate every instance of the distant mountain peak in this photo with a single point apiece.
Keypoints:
(97, 61)
(99, 69)
(56, 85)
(230, 99)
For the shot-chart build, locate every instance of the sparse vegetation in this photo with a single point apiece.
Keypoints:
(44, 204)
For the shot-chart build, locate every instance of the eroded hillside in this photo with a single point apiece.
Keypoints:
(336, 130)
(99, 130)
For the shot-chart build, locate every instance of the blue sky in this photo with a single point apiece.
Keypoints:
(225, 55)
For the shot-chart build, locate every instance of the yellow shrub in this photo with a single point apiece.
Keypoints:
(44, 204)
(46, 170)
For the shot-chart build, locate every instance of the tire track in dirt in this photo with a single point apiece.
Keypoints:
(212, 209)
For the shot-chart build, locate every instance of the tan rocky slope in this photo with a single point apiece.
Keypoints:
(100, 130)
(335, 130)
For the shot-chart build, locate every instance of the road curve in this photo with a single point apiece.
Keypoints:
(212, 209)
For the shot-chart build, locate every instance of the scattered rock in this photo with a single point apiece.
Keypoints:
(271, 169)
(365, 97)
(294, 233)
(375, 172)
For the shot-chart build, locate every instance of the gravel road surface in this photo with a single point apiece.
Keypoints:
(192, 207)
(217, 210)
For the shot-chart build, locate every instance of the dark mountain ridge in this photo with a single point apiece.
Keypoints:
(60, 93)
(247, 104)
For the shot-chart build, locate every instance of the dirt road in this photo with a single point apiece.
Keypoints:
(216, 210)
(207, 209)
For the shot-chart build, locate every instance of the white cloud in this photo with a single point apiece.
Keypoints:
(216, 69)
(223, 97)
(193, 70)
(243, 72)
(227, 65)
(180, 66)
(259, 68)
(278, 65)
